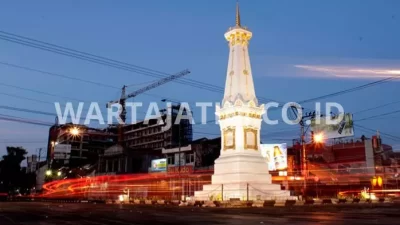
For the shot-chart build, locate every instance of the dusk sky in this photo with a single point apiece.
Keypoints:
(299, 50)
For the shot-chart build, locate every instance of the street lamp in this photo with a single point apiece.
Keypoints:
(74, 131)
(318, 138)
(48, 173)
(59, 173)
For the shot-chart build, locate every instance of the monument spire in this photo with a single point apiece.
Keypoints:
(237, 14)
(239, 86)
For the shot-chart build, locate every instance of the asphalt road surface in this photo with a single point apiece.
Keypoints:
(41, 213)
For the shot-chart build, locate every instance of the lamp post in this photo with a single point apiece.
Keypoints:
(317, 139)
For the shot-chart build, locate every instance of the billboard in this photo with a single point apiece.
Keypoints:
(342, 129)
(62, 151)
(275, 155)
(158, 165)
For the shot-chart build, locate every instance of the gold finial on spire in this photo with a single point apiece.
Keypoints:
(237, 14)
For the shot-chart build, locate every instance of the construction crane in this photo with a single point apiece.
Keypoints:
(124, 97)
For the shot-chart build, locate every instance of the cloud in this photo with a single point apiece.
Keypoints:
(350, 72)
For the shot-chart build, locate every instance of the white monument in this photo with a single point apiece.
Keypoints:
(241, 172)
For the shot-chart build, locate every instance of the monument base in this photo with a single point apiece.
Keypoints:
(243, 177)
(243, 192)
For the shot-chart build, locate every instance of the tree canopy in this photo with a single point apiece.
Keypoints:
(11, 175)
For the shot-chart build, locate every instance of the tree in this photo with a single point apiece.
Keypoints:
(10, 168)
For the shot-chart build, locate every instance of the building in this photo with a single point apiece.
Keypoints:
(31, 163)
(155, 133)
(198, 155)
(346, 164)
(119, 160)
(190, 166)
(349, 156)
(78, 145)
(240, 172)
(143, 142)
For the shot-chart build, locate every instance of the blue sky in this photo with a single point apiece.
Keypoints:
(299, 50)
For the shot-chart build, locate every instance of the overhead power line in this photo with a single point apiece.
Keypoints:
(25, 98)
(379, 115)
(74, 78)
(380, 132)
(57, 75)
(134, 68)
(41, 123)
(146, 71)
(98, 59)
(376, 107)
(350, 89)
(39, 92)
(18, 39)
(27, 110)
(23, 120)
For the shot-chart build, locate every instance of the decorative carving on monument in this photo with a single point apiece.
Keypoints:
(252, 103)
(229, 138)
(250, 138)
(238, 113)
(240, 38)
(238, 102)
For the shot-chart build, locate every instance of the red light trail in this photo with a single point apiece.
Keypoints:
(156, 185)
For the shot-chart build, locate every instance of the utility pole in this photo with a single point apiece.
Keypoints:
(304, 120)
(179, 152)
(303, 159)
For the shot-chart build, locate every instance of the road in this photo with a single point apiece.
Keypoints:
(12, 213)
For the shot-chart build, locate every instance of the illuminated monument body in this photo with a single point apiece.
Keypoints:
(240, 171)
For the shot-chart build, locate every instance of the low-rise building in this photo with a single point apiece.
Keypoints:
(119, 160)
(31, 163)
(78, 145)
(191, 165)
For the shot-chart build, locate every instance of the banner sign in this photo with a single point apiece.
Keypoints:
(275, 155)
(159, 165)
(343, 128)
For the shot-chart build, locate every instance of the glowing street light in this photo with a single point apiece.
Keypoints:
(74, 131)
(380, 182)
(377, 181)
(318, 138)
(48, 173)
(59, 173)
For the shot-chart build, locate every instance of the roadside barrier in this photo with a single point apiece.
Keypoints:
(233, 203)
